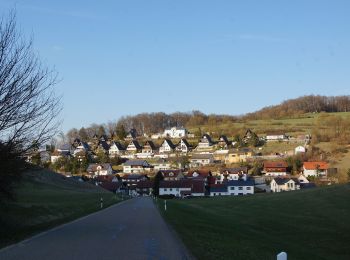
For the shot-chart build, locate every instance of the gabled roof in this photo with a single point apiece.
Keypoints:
(282, 181)
(206, 136)
(170, 143)
(280, 164)
(316, 165)
(235, 170)
(136, 144)
(185, 142)
(170, 173)
(142, 163)
(223, 138)
(111, 186)
(93, 166)
(151, 144)
(104, 145)
(144, 184)
(241, 183)
(134, 177)
(175, 184)
(118, 145)
(201, 173)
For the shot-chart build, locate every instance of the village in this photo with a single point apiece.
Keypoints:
(179, 168)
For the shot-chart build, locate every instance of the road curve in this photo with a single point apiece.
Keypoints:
(133, 229)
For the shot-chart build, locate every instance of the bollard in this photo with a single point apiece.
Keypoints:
(101, 200)
(282, 256)
(164, 205)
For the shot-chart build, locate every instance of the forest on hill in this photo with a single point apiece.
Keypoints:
(157, 122)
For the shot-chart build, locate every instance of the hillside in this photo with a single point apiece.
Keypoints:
(44, 200)
(307, 224)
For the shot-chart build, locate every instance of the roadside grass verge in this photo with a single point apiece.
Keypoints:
(45, 201)
(307, 224)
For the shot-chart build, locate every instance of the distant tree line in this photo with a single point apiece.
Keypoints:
(301, 105)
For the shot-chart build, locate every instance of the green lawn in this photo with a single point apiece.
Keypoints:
(45, 200)
(307, 224)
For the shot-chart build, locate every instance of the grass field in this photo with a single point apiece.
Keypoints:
(307, 224)
(44, 200)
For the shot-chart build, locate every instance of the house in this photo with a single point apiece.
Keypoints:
(238, 155)
(218, 190)
(275, 168)
(315, 169)
(299, 150)
(276, 137)
(198, 174)
(302, 179)
(132, 179)
(175, 132)
(133, 147)
(103, 147)
(64, 150)
(179, 188)
(183, 146)
(283, 184)
(132, 134)
(167, 146)
(205, 142)
(201, 159)
(144, 188)
(149, 148)
(114, 187)
(232, 173)
(223, 142)
(136, 166)
(98, 169)
(161, 164)
(116, 149)
(172, 175)
(240, 187)
(249, 135)
(156, 136)
(81, 147)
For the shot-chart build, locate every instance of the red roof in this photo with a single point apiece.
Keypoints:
(316, 165)
(280, 164)
(201, 173)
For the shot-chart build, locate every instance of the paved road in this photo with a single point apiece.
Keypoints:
(131, 230)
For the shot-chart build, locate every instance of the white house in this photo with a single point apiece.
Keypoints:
(115, 149)
(176, 188)
(205, 142)
(99, 169)
(201, 159)
(240, 187)
(133, 147)
(218, 190)
(276, 137)
(315, 169)
(167, 147)
(175, 132)
(232, 174)
(183, 146)
(299, 150)
(136, 166)
(283, 184)
(161, 164)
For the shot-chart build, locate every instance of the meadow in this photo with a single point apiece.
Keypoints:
(307, 224)
(44, 200)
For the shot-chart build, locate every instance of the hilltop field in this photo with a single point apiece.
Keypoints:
(307, 224)
(45, 199)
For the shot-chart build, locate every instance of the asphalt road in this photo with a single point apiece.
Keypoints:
(133, 229)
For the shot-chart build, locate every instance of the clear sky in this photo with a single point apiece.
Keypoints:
(126, 57)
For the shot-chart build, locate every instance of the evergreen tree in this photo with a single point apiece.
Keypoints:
(157, 179)
(120, 131)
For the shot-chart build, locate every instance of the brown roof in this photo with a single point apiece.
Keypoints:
(316, 165)
(280, 164)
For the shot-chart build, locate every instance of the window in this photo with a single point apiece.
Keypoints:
(240, 188)
(170, 189)
(165, 189)
(248, 188)
(177, 189)
(232, 188)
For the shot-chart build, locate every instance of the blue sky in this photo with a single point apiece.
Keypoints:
(126, 57)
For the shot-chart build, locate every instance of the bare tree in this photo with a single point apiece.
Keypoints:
(28, 104)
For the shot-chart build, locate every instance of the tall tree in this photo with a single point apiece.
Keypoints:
(28, 104)
(120, 131)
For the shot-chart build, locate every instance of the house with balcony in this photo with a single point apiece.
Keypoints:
(201, 159)
(183, 146)
(116, 149)
(274, 169)
(167, 146)
(315, 169)
(137, 166)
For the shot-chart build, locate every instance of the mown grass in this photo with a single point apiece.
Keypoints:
(44, 200)
(307, 224)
